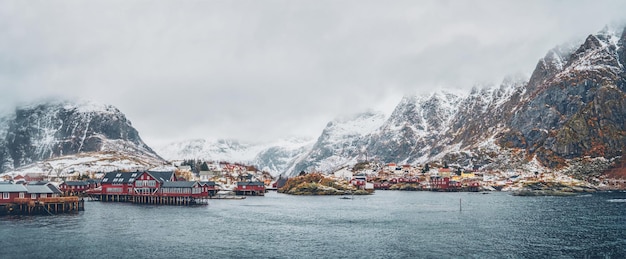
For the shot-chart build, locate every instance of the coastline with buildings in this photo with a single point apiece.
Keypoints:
(180, 185)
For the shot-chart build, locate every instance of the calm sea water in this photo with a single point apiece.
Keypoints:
(387, 224)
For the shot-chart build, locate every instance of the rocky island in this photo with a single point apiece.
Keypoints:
(318, 184)
(552, 189)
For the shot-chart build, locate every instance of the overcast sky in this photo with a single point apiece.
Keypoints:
(263, 70)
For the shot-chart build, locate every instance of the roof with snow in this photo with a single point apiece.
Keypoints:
(120, 177)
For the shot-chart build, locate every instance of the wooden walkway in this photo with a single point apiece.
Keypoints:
(43, 206)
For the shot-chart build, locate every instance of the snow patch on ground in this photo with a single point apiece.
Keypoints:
(86, 163)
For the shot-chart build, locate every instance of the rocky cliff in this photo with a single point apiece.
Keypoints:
(58, 128)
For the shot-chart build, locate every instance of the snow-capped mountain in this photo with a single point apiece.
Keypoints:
(577, 110)
(86, 163)
(279, 156)
(213, 150)
(573, 106)
(59, 128)
(272, 157)
(343, 141)
(415, 126)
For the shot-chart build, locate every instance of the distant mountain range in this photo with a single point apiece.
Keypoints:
(570, 113)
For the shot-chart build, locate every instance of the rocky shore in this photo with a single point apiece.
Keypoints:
(317, 184)
(552, 189)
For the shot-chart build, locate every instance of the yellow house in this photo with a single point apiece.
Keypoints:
(466, 175)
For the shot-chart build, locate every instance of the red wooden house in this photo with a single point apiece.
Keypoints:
(250, 188)
(444, 184)
(74, 187)
(118, 183)
(209, 188)
(440, 183)
(382, 185)
(10, 192)
(94, 183)
(148, 183)
(181, 189)
(35, 192)
(33, 177)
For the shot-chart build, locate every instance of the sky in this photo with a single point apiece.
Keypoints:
(263, 70)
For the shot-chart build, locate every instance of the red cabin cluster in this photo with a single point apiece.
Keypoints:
(250, 188)
(152, 188)
(38, 197)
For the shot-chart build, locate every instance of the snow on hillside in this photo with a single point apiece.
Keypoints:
(277, 157)
(355, 125)
(215, 150)
(343, 141)
(91, 162)
(54, 128)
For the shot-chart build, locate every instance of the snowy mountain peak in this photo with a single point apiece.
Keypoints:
(44, 130)
(355, 125)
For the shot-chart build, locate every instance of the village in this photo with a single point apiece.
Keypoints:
(180, 184)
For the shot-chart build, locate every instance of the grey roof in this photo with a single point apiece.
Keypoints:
(179, 184)
(162, 176)
(123, 178)
(38, 183)
(94, 180)
(250, 184)
(209, 183)
(76, 183)
(38, 189)
(54, 189)
(12, 188)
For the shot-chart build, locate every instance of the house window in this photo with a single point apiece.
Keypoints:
(5, 195)
(21, 195)
(33, 196)
(43, 195)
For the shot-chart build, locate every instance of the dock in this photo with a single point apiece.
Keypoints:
(227, 197)
(43, 206)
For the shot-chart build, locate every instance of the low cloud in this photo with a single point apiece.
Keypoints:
(261, 70)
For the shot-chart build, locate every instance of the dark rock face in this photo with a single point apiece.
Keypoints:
(43, 131)
(577, 111)
(572, 106)
(416, 124)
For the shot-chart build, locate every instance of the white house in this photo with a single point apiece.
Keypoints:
(343, 173)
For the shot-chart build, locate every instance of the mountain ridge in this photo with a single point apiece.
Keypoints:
(54, 128)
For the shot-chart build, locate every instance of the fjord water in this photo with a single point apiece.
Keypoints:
(388, 224)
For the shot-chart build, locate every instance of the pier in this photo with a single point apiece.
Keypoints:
(43, 206)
